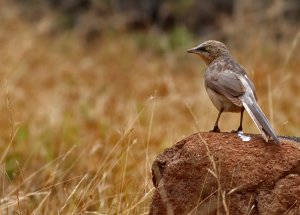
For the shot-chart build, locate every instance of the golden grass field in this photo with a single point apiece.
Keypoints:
(81, 124)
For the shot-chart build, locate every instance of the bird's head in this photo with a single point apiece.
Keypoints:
(210, 50)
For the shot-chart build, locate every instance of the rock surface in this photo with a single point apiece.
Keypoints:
(218, 173)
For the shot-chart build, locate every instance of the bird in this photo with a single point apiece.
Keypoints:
(229, 88)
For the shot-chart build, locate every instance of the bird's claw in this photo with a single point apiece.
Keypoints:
(238, 130)
(215, 129)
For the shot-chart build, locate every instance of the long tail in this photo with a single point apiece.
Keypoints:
(259, 118)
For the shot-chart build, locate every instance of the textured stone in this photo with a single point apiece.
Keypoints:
(211, 173)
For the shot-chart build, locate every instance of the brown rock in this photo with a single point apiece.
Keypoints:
(218, 173)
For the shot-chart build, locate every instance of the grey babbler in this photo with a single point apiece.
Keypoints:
(229, 87)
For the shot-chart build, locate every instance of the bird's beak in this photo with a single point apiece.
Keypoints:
(192, 50)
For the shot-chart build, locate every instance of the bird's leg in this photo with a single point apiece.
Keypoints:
(240, 128)
(216, 127)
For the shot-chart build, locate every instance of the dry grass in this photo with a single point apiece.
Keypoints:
(80, 125)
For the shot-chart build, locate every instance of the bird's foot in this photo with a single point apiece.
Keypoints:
(240, 129)
(215, 129)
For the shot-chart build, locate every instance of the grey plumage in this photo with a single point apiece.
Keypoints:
(229, 87)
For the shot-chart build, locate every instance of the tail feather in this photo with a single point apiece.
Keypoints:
(259, 119)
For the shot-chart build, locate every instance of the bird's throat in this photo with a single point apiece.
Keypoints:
(207, 60)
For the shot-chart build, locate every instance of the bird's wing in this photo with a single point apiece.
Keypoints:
(251, 86)
(226, 83)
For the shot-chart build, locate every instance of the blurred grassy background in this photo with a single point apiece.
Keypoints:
(92, 91)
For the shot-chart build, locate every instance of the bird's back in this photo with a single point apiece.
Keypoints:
(227, 65)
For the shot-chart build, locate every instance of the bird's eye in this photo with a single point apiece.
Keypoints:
(203, 49)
